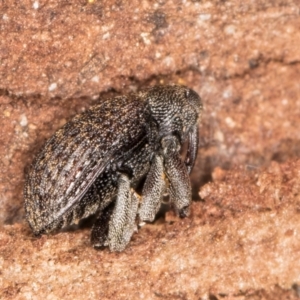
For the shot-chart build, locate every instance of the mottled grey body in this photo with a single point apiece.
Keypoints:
(93, 164)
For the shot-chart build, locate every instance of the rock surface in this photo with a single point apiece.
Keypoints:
(242, 241)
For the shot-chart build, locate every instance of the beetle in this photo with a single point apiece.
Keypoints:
(95, 162)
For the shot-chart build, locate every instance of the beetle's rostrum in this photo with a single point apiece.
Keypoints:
(94, 163)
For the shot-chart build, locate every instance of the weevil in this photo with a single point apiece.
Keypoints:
(95, 162)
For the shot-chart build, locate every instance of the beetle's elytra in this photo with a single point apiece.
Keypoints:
(92, 165)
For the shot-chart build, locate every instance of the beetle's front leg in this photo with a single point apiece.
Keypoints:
(118, 231)
(177, 174)
(153, 190)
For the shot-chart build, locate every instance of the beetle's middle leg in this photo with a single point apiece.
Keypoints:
(116, 223)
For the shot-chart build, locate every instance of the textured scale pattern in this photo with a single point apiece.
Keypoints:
(93, 164)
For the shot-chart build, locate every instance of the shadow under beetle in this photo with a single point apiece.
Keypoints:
(93, 164)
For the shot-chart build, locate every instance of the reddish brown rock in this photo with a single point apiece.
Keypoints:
(240, 243)
(241, 58)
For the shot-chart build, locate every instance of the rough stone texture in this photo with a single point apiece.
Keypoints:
(242, 57)
(241, 242)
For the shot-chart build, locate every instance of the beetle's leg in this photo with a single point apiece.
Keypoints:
(177, 174)
(193, 142)
(153, 190)
(122, 221)
(131, 226)
(100, 227)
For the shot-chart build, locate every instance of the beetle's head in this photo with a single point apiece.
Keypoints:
(175, 109)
